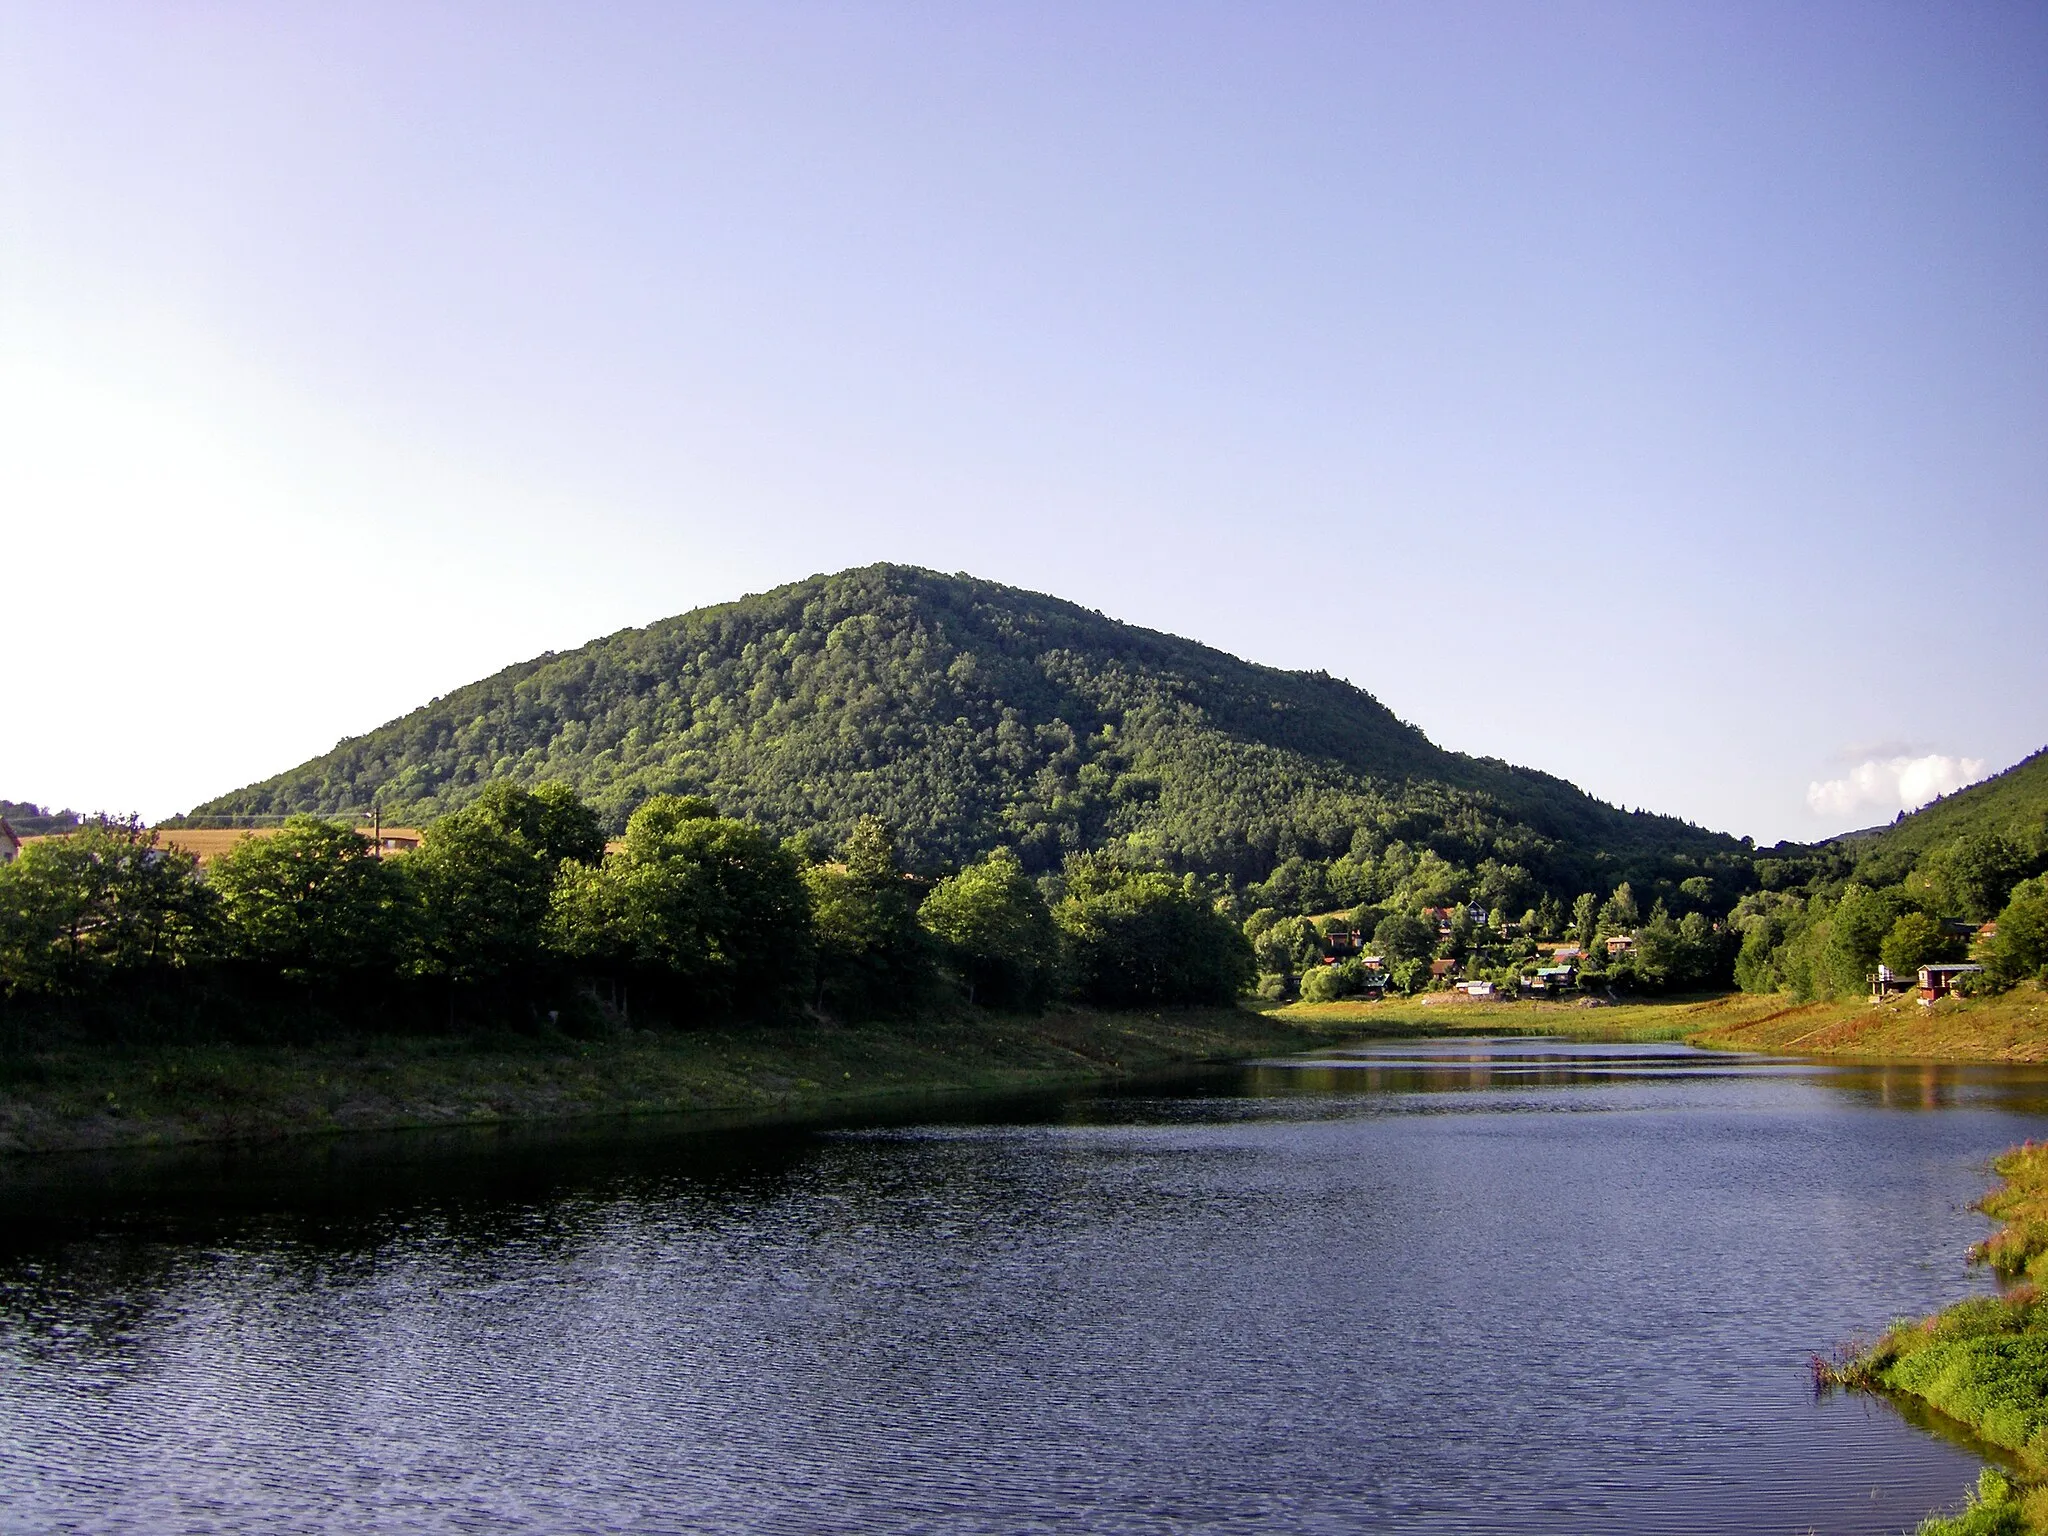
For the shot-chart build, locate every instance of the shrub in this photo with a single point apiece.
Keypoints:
(1329, 983)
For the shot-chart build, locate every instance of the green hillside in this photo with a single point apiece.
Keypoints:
(970, 714)
(2013, 804)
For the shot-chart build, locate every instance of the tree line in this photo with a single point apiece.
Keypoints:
(516, 902)
(1824, 921)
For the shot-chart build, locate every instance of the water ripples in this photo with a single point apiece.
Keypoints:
(1573, 1294)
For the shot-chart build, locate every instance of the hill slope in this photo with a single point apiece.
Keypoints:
(970, 714)
(2012, 804)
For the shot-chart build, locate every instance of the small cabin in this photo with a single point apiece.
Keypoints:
(1938, 981)
(1475, 988)
(1550, 978)
(1620, 943)
(1439, 969)
(1887, 983)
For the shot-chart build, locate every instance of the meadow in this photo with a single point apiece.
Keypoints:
(2010, 1027)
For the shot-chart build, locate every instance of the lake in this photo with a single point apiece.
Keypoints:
(1500, 1285)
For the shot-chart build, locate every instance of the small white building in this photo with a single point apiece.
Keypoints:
(10, 843)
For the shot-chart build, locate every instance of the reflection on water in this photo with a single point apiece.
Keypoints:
(1467, 1063)
(1425, 1285)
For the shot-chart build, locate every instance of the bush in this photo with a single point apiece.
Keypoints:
(1329, 983)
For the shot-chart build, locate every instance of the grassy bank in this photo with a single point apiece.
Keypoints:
(2013, 1027)
(1984, 1362)
(83, 1097)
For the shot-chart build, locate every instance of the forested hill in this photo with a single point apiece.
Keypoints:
(2012, 805)
(969, 714)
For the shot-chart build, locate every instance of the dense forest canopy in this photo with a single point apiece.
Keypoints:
(969, 716)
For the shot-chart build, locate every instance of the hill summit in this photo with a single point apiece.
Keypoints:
(969, 714)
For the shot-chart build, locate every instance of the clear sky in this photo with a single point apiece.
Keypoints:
(1654, 394)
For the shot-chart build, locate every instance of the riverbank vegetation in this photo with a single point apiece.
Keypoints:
(1984, 1362)
(513, 909)
(68, 1097)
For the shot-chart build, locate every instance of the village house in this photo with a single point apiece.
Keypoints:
(1620, 943)
(1887, 983)
(1937, 981)
(1474, 988)
(1548, 980)
(10, 843)
(1439, 969)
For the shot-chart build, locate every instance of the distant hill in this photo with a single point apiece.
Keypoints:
(970, 714)
(2013, 804)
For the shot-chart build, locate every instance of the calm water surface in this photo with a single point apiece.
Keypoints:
(1512, 1286)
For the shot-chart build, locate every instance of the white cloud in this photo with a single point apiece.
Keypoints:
(1892, 784)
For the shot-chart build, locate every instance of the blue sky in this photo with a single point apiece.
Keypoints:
(1657, 395)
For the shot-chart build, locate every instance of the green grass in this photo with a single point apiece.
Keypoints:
(1447, 1013)
(2013, 1027)
(1996, 1507)
(1984, 1362)
(99, 1096)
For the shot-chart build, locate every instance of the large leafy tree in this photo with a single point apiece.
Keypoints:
(103, 900)
(1914, 940)
(997, 932)
(486, 874)
(1146, 937)
(314, 903)
(873, 957)
(2020, 947)
(1404, 936)
(706, 908)
(1973, 875)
